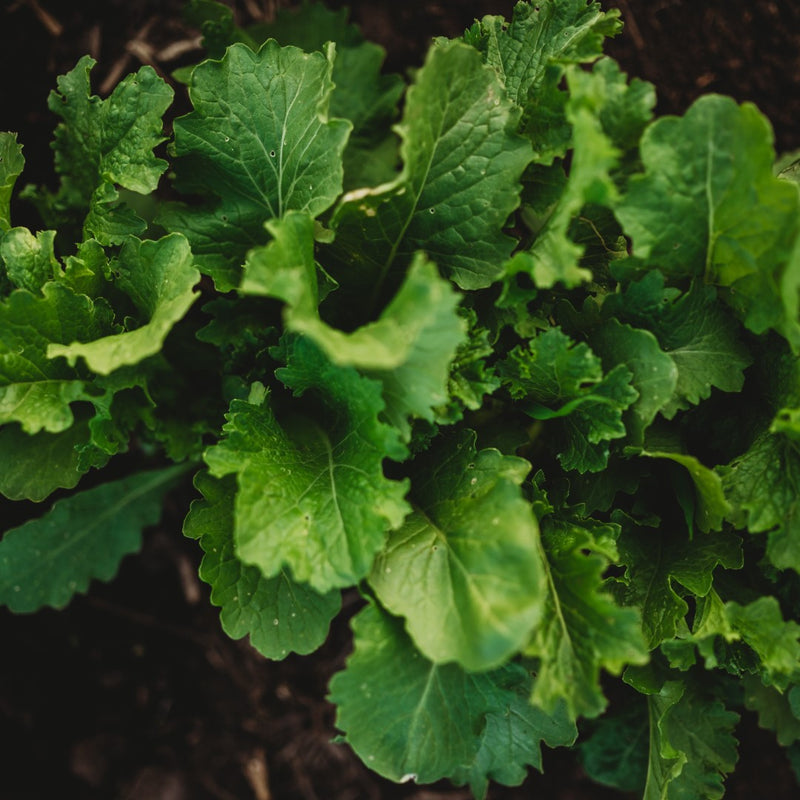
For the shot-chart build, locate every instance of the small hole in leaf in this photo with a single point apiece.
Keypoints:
(524, 281)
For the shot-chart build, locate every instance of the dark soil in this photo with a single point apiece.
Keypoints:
(134, 692)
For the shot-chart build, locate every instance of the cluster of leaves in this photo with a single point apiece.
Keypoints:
(518, 362)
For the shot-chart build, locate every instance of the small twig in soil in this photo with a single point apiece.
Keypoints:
(255, 11)
(212, 787)
(190, 585)
(94, 40)
(120, 66)
(54, 27)
(177, 49)
(257, 774)
(630, 24)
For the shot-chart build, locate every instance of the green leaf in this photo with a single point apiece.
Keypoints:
(35, 466)
(30, 261)
(369, 100)
(12, 163)
(710, 622)
(531, 54)
(361, 93)
(699, 335)
(259, 140)
(101, 144)
(312, 495)
(34, 390)
(583, 629)
(559, 379)
(471, 377)
(459, 183)
(692, 746)
(409, 348)
(48, 560)
(435, 721)
(615, 753)
(656, 559)
(553, 257)
(779, 712)
(279, 614)
(708, 205)
(787, 422)
(761, 625)
(159, 276)
(310, 27)
(655, 375)
(466, 596)
(87, 271)
(285, 267)
(625, 109)
(711, 506)
(217, 24)
(763, 485)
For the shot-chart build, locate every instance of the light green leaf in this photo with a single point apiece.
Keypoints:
(625, 109)
(553, 257)
(34, 390)
(260, 141)
(410, 719)
(471, 377)
(559, 379)
(159, 276)
(711, 628)
(312, 495)
(279, 614)
(461, 167)
(465, 569)
(763, 485)
(583, 629)
(761, 625)
(30, 261)
(12, 163)
(692, 746)
(101, 144)
(655, 375)
(87, 271)
(409, 348)
(709, 205)
(285, 267)
(694, 329)
(531, 53)
(48, 560)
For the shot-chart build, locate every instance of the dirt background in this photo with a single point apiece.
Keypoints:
(133, 692)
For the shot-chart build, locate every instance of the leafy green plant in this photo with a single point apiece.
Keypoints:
(516, 362)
